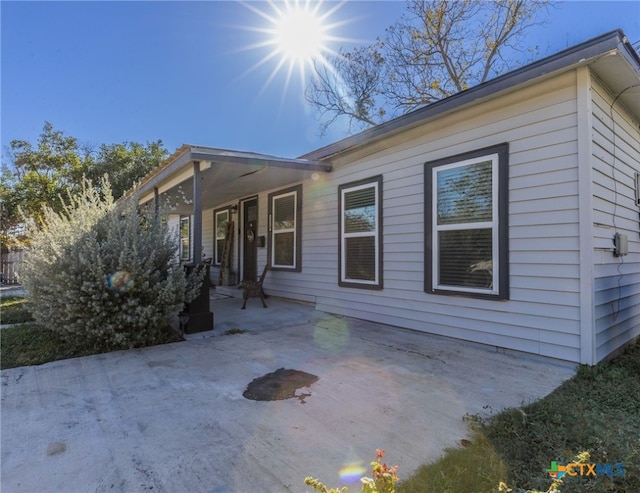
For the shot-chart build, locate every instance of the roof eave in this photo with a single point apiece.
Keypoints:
(581, 54)
(189, 153)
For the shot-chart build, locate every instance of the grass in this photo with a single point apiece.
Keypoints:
(14, 310)
(30, 344)
(474, 468)
(598, 410)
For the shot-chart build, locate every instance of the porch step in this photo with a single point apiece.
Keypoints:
(232, 291)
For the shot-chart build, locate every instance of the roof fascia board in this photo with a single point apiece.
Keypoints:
(149, 182)
(166, 172)
(175, 179)
(187, 154)
(628, 52)
(563, 60)
(299, 164)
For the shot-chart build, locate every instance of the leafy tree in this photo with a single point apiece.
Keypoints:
(100, 272)
(42, 175)
(437, 48)
(124, 163)
(9, 217)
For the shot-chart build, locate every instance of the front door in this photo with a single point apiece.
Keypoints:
(249, 241)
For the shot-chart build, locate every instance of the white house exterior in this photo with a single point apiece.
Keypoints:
(489, 216)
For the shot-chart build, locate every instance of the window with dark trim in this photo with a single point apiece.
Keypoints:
(185, 238)
(360, 233)
(221, 222)
(285, 226)
(466, 232)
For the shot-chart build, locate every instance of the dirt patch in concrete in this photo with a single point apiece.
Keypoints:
(279, 385)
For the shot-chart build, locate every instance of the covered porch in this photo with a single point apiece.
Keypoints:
(215, 198)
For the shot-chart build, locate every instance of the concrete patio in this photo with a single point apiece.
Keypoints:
(173, 418)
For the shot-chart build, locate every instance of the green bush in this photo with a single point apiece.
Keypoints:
(104, 272)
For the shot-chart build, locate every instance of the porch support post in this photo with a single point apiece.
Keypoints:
(197, 213)
(156, 201)
(200, 317)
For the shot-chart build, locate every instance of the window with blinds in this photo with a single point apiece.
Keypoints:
(360, 225)
(466, 217)
(284, 229)
(185, 238)
(221, 224)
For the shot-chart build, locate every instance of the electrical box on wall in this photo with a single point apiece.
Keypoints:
(620, 245)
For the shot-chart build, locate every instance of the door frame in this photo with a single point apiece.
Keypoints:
(243, 236)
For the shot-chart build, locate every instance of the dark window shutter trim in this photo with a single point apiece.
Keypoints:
(380, 233)
(298, 229)
(502, 150)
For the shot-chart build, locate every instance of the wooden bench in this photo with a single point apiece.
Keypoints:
(254, 288)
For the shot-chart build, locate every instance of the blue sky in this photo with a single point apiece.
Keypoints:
(109, 72)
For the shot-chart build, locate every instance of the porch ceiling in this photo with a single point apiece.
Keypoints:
(226, 176)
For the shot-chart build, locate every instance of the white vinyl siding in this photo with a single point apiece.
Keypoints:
(542, 315)
(616, 159)
(543, 312)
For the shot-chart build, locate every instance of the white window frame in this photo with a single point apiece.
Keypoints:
(185, 241)
(296, 192)
(215, 229)
(376, 283)
(493, 225)
(294, 229)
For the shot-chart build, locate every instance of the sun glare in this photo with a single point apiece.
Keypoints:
(297, 36)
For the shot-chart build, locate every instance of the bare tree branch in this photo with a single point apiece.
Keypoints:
(436, 49)
(348, 84)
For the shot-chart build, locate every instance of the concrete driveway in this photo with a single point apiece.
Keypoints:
(173, 418)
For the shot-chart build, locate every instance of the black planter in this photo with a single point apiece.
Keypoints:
(200, 318)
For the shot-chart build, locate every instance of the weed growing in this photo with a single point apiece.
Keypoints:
(594, 417)
(597, 411)
(474, 468)
(231, 332)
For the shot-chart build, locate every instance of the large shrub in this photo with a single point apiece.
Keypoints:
(105, 272)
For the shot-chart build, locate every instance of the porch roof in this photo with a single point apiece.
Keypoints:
(226, 175)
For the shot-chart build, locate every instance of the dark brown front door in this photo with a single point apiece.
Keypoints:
(250, 236)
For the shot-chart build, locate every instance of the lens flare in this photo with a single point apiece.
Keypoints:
(121, 281)
(351, 472)
(331, 334)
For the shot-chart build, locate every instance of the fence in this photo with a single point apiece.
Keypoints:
(10, 264)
